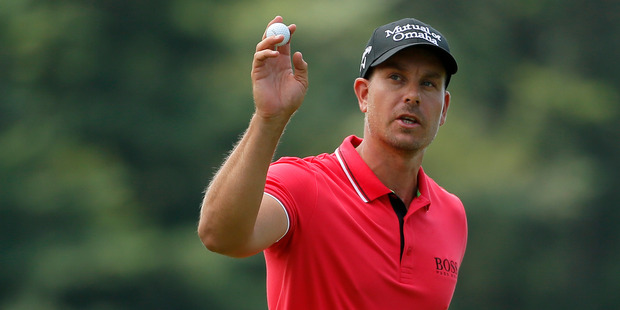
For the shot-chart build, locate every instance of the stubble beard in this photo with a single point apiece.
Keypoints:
(402, 140)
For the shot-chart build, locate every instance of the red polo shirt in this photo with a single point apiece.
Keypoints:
(343, 246)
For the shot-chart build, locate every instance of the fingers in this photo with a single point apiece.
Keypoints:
(279, 19)
(265, 49)
(270, 42)
(263, 55)
(292, 28)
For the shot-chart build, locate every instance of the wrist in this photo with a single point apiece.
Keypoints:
(271, 121)
(270, 126)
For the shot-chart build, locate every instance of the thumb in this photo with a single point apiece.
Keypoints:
(301, 69)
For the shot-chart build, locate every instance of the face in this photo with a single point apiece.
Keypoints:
(404, 100)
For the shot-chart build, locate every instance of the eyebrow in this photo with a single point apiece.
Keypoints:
(432, 75)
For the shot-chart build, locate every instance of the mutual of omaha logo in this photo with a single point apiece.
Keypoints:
(412, 31)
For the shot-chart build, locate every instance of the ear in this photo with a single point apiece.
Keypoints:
(360, 86)
(444, 108)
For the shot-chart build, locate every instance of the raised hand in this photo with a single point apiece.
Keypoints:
(278, 87)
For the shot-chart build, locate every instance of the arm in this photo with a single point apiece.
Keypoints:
(236, 218)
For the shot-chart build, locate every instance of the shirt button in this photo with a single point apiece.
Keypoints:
(409, 249)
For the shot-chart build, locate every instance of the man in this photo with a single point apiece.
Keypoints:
(363, 227)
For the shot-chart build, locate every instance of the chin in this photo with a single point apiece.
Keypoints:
(408, 144)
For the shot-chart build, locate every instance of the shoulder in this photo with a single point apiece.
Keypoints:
(302, 166)
(297, 177)
(440, 193)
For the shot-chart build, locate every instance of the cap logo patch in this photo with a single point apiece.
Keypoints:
(366, 52)
(412, 31)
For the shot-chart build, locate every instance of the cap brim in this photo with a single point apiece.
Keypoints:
(447, 59)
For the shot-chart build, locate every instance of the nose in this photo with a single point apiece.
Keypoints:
(412, 95)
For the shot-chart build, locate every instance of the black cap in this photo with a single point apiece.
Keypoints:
(388, 39)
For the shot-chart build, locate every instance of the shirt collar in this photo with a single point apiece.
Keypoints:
(366, 184)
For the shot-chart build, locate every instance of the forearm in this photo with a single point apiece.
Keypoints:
(232, 200)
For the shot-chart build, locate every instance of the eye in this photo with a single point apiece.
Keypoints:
(395, 77)
(428, 84)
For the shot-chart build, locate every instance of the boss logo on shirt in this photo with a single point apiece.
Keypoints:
(446, 267)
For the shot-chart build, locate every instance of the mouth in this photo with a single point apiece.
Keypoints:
(408, 120)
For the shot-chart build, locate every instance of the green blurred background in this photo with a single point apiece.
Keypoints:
(114, 115)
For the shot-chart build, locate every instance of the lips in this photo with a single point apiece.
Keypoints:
(408, 119)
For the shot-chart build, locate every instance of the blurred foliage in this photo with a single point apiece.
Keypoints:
(115, 114)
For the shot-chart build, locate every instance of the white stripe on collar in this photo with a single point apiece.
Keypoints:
(344, 168)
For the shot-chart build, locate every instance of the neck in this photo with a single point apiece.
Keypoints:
(396, 169)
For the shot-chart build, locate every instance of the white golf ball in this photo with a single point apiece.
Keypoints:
(279, 29)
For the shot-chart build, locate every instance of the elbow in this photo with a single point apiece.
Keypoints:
(208, 233)
(217, 244)
(209, 239)
(220, 235)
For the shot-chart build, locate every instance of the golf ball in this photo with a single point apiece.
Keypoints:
(279, 29)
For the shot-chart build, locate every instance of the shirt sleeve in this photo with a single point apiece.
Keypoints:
(292, 183)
